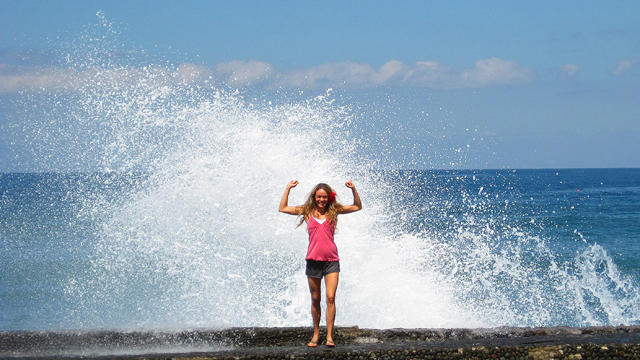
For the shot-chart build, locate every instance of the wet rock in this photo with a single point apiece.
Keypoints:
(507, 343)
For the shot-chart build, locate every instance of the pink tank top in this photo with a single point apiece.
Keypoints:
(321, 244)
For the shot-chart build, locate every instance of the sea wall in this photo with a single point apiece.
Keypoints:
(622, 342)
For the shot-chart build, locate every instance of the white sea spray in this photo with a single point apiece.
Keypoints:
(195, 240)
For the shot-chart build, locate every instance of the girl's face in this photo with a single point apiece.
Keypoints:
(322, 198)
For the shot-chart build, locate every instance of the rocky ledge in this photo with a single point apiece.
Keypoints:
(622, 342)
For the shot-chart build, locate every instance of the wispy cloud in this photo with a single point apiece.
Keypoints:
(190, 72)
(241, 73)
(14, 79)
(431, 74)
(570, 70)
(489, 72)
(18, 79)
(624, 66)
(496, 72)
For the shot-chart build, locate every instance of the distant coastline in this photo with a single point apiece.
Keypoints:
(142, 173)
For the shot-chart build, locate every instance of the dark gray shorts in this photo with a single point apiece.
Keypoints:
(318, 269)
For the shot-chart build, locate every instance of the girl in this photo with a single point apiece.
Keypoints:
(320, 212)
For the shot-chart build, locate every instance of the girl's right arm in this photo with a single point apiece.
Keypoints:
(284, 203)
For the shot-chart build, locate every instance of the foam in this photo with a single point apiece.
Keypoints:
(196, 239)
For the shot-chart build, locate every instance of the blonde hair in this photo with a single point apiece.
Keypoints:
(310, 206)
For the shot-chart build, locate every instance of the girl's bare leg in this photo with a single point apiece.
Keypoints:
(331, 283)
(316, 311)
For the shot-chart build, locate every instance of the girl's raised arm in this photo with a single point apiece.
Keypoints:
(357, 205)
(284, 202)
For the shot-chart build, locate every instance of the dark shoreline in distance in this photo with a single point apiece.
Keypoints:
(352, 343)
(142, 173)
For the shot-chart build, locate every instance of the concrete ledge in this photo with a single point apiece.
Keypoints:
(622, 342)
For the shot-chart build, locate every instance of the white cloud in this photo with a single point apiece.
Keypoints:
(388, 71)
(354, 74)
(240, 73)
(496, 71)
(432, 74)
(14, 80)
(192, 73)
(570, 70)
(429, 74)
(421, 74)
(624, 66)
(40, 80)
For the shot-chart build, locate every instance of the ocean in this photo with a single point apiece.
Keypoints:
(149, 192)
(432, 248)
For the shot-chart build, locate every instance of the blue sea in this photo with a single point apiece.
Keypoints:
(149, 192)
(443, 248)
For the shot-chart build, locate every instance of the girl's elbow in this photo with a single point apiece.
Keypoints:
(287, 210)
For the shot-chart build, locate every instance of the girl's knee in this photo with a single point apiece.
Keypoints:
(331, 299)
(315, 299)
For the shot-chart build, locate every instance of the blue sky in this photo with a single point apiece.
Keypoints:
(546, 84)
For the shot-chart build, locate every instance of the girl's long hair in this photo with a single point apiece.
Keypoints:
(310, 206)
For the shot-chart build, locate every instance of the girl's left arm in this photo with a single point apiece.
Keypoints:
(357, 205)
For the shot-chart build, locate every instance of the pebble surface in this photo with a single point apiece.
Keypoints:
(622, 342)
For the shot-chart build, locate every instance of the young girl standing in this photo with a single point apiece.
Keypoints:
(320, 212)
